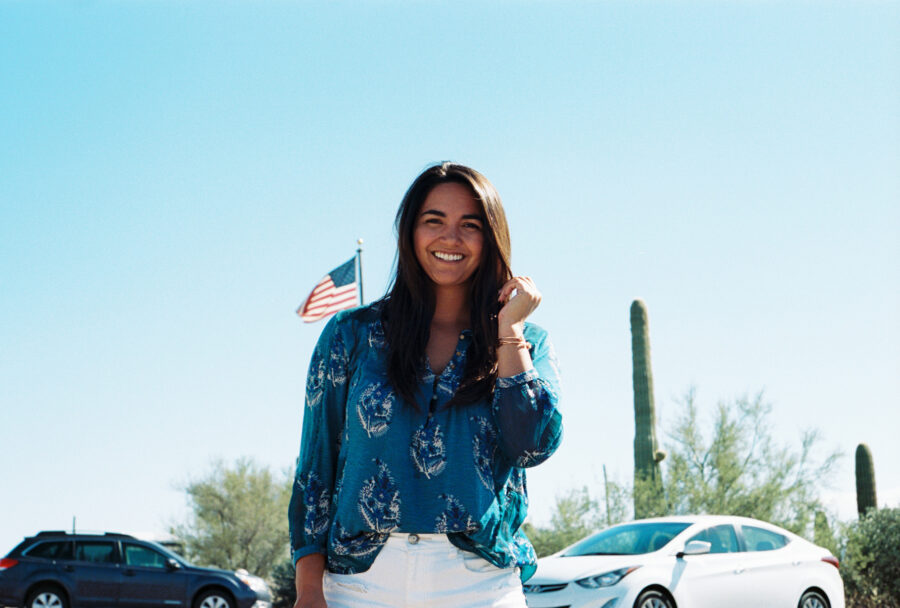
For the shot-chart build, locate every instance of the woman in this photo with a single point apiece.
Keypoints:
(422, 411)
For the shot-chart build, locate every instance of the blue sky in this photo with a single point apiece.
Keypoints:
(175, 177)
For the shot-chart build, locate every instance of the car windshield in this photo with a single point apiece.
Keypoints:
(628, 539)
(169, 553)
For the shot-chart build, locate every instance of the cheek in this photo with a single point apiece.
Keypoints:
(476, 246)
(419, 245)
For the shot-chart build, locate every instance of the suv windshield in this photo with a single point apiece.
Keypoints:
(628, 539)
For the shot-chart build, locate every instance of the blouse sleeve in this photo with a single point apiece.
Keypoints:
(525, 407)
(310, 510)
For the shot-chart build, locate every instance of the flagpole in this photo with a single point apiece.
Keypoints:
(359, 242)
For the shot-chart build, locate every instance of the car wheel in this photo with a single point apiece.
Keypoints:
(813, 599)
(46, 596)
(654, 598)
(214, 599)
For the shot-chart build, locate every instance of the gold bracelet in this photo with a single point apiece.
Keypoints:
(514, 341)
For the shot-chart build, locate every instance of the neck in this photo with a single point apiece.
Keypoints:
(451, 308)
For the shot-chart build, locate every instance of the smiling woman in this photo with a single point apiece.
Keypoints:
(423, 411)
(448, 237)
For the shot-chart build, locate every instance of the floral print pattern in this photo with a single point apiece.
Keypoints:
(315, 382)
(317, 501)
(427, 449)
(379, 500)
(375, 409)
(484, 448)
(455, 518)
(337, 364)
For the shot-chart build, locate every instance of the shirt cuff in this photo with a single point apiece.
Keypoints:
(521, 378)
(304, 551)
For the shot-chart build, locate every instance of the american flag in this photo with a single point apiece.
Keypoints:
(336, 291)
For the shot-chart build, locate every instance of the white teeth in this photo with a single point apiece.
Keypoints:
(448, 257)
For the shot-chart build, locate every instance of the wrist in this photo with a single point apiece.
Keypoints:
(511, 330)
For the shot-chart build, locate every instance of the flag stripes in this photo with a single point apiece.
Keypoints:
(336, 291)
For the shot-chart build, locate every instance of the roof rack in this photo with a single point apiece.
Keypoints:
(85, 533)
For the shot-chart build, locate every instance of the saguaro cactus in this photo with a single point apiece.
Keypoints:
(648, 495)
(865, 480)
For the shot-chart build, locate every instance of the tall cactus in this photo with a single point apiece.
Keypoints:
(649, 499)
(865, 480)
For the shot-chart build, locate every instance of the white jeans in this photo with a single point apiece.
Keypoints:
(426, 571)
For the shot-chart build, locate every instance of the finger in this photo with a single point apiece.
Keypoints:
(521, 284)
(507, 289)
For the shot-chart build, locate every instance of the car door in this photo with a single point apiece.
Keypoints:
(770, 567)
(716, 578)
(147, 580)
(53, 561)
(95, 574)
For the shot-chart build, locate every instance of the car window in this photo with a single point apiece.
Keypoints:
(96, 552)
(759, 539)
(628, 539)
(721, 539)
(138, 555)
(61, 549)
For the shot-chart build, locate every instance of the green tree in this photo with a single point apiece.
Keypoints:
(284, 590)
(575, 515)
(238, 519)
(870, 564)
(740, 469)
(823, 534)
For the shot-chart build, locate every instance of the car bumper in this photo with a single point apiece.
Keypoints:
(578, 598)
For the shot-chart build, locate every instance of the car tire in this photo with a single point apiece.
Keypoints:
(813, 599)
(653, 598)
(47, 596)
(214, 598)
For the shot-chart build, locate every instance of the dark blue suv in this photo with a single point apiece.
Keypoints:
(60, 570)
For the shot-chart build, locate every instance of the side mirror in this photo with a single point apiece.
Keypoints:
(172, 565)
(695, 547)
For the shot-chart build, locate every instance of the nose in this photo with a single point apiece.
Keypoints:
(451, 233)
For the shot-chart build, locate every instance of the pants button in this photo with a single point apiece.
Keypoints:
(413, 539)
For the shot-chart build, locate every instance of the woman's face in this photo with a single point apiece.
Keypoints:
(448, 235)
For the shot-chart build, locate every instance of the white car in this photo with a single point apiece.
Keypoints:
(702, 561)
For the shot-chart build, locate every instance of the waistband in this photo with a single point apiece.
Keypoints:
(419, 539)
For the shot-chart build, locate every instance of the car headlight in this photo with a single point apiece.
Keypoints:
(607, 579)
(254, 582)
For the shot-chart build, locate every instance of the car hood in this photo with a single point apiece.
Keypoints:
(199, 569)
(558, 569)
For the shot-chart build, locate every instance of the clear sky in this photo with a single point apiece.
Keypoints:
(176, 176)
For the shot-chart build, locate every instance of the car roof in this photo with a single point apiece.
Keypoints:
(57, 534)
(712, 520)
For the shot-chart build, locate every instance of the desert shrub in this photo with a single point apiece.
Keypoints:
(870, 564)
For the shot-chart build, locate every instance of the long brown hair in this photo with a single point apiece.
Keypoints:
(408, 307)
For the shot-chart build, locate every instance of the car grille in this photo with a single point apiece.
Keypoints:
(545, 588)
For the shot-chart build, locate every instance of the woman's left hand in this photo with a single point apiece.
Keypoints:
(516, 308)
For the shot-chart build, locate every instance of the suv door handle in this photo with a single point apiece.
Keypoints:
(128, 572)
(739, 571)
(69, 568)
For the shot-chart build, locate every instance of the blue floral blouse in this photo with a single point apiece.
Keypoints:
(371, 464)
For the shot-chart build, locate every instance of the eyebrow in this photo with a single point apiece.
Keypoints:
(469, 216)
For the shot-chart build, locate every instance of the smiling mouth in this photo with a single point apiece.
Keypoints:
(447, 257)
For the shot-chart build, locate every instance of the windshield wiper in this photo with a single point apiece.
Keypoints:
(603, 553)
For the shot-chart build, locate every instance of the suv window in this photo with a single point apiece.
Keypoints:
(138, 555)
(60, 549)
(758, 539)
(96, 552)
(721, 539)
